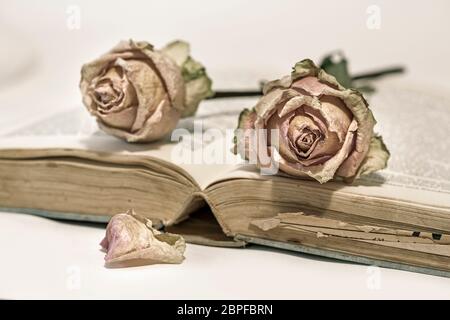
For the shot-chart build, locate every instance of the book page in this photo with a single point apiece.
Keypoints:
(200, 146)
(415, 127)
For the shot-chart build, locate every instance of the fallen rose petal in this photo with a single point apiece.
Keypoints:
(131, 240)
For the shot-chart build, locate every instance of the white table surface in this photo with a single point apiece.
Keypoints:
(43, 258)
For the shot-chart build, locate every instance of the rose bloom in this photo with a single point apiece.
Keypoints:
(323, 129)
(138, 93)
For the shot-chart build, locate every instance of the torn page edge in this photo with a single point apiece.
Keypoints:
(324, 227)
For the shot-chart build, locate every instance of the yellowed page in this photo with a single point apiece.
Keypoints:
(63, 133)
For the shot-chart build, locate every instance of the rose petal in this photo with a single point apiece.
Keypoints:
(282, 126)
(310, 85)
(337, 114)
(326, 171)
(296, 102)
(365, 122)
(376, 159)
(121, 120)
(246, 125)
(148, 87)
(295, 129)
(159, 124)
(131, 240)
(268, 104)
(172, 78)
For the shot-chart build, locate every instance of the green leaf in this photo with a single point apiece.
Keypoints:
(198, 83)
(336, 65)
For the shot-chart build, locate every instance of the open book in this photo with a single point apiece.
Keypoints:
(63, 167)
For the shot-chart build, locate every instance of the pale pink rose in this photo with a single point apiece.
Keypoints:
(138, 93)
(324, 130)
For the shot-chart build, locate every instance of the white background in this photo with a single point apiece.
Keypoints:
(240, 42)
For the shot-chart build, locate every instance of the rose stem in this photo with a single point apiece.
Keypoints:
(233, 94)
(252, 93)
(377, 74)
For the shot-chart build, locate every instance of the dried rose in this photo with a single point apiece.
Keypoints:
(131, 240)
(324, 129)
(138, 93)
